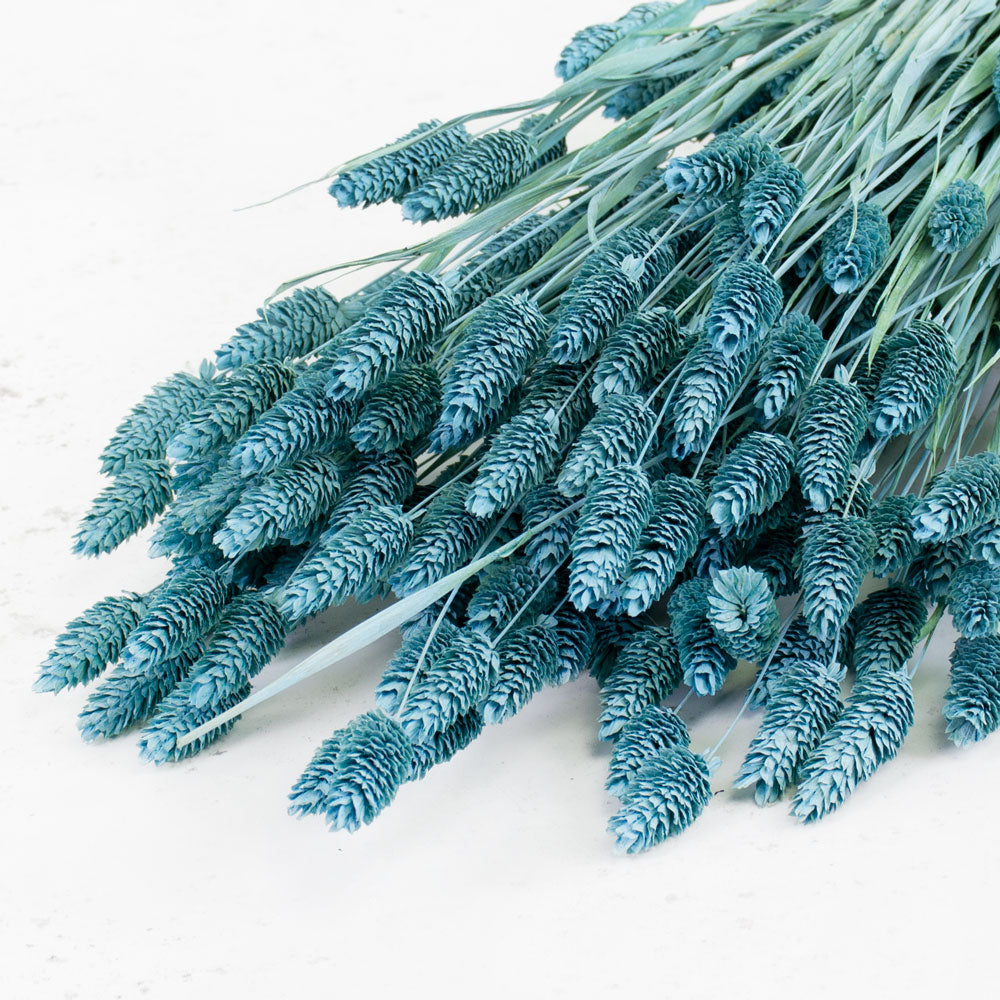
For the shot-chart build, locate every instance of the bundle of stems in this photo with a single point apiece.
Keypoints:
(657, 404)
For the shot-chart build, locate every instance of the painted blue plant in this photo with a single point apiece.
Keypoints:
(490, 361)
(972, 701)
(454, 683)
(666, 795)
(182, 609)
(394, 174)
(90, 642)
(645, 671)
(958, 217)
(640, 739)
(959, 499)
(446, 537)
(130, 502)
(855, 246)
(801, 706)
(356, 773)
(885, 627)
(752, 478)
(228, 411)
(144, 431)
(787, 363)
(528, 660)
(836, 556)
(745, 304)
(618, 505)
(867, 733)
(920, 367)
(637, 352)
(289, 328)
(974, 599)
(743, 612)
(724, 165)
(398, 325)
(831, 424)
(615, 435)
(704, 660)
(667, 543)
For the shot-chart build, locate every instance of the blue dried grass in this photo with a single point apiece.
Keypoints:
(972, 701)
(885, 627)
(974, 600)
(549, 547)
(959, 499)
(831, 424)
(413, 651)
(617, 275)
(288, 499)
(743, 612)
(787, 363)
(400, 410)
(637, 352)
(836, 556)
(376, 481)
(302, 422)
(392, 175)
(854, 247)
(507, 591)
(919, 369)
(125, 697)
(247, 636)
(131, 501)
(745, 303)
(452, 685)
(522, 454)
(576, 638)
(447, 536)
(752, 478)
(958, 217)
(645, 671)
(528, 659)
(183, 609)
(720, 168)
(373, 759)
(615, 435)
(589, 43)
(895, 546)
(867, 733)
(769, 200)
(441, 747)
(349, 561)
(288, 328)
(667, 543)
(475, 175)
(487, 367)
(233, 405)
(144, 431)
(707, 385)
(404, 320)
(618, 505)
(802, 705)
(640, 739)
(666, 795)
(90, 642)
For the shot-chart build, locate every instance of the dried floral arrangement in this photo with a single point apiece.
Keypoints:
(655, 405)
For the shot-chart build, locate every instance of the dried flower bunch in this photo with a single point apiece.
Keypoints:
(655, 405)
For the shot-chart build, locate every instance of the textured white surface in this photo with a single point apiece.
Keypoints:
(128, 135)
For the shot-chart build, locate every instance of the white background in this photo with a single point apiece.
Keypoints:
(129, 133)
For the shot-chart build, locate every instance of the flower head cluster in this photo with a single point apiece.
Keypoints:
(394, 174)
(958, 217)
(854, 247)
